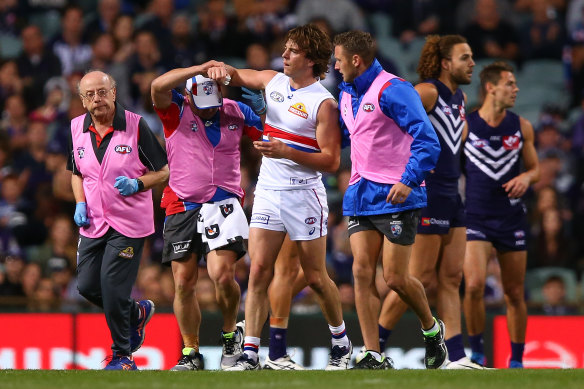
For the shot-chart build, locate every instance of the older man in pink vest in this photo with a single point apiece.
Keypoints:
(115, 160)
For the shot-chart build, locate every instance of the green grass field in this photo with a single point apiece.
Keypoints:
(396, 379)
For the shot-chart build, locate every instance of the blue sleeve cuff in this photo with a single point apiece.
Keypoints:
(407, 182)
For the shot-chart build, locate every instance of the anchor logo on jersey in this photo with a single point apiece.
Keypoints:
(226, 209)
(212, 231)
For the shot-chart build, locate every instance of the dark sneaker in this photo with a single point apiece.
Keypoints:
(436, 352)
(121, 362)
(232, 345)
(137, 332)
(245, 363)
(190, 360)
(369, 362)
(340, 357)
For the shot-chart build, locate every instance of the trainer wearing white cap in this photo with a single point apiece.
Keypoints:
(202, 200)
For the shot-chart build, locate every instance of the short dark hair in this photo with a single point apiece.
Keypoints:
(357, 42)
(492, 74)
(315, 44)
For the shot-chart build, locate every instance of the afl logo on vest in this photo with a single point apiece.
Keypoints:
(368, 107)
(123, 149)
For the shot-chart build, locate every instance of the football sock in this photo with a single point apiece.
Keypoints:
(384, 334)
(476, 343)
(251, 347)
(339, 335)
(277, 342)
(455, 348)
(432, 331)
(517, 351)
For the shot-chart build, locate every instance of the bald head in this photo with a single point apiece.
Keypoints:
(98, 95)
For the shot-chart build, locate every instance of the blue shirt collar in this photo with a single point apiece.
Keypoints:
(360, 85)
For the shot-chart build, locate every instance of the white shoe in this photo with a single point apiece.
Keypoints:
(340, 357)
(232, 345)
(283, 363)
(464, 364)
(362, 353)
(244, 363)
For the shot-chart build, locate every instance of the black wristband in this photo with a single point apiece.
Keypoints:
(140, 185)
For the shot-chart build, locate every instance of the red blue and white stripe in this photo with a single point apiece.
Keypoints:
(296, 141)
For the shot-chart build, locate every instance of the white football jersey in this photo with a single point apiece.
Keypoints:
(291, 118)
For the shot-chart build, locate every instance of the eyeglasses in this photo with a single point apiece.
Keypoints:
(89, 96)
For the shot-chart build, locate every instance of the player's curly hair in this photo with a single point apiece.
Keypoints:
(315, 44)
(357, 42)
(434, 51)
(492, 74)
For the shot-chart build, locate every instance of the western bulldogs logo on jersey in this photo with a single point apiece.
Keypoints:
(212, 231)
(368, 107)
(299, 109)
(226, 209)
(277, 97)
(123, 149)
(511, 142)
(81, 152)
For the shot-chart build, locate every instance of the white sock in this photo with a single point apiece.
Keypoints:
(339, 335)
(251, 346)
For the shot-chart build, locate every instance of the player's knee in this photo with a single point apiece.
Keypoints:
(260, 274)
(223, 280)
(184, 287)
(315, 282)
(362, 272)
(475, 289)
(452, 280)
(515, 295)
(395, 282)
(88, 291)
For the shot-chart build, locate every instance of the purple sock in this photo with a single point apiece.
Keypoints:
(383, 335)
(476, 343)
(277, 343)
(517, 351)
(455, 348)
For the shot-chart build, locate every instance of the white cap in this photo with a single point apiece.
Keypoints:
(204, 92)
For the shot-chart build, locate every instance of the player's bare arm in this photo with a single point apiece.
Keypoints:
(328, 136)
(428, 94)
(161, 88)
(253, 79)
(517, 186)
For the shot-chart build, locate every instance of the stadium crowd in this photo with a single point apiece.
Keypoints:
(47, 46)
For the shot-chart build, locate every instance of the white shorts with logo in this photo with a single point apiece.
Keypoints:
(221, 223)
(303, 213)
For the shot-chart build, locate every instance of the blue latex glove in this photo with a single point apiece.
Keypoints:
(126, 186)
(255, 99)
(80, 216)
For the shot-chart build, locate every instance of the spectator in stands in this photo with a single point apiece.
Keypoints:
(554, 297)
(31, 275)
(36, 65)
(219, 32)
(12, 284)
(14, 122)
(542, 36)
(265, 19)
(343, 15)
(10, 82)
(160, 24)
(123, 32)
(45, 297)
(552, 247)
(107, 12)
(14, 213)
(11, 18)
(146, 60)
(418, 18)
(489, 35)
(73, 52)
